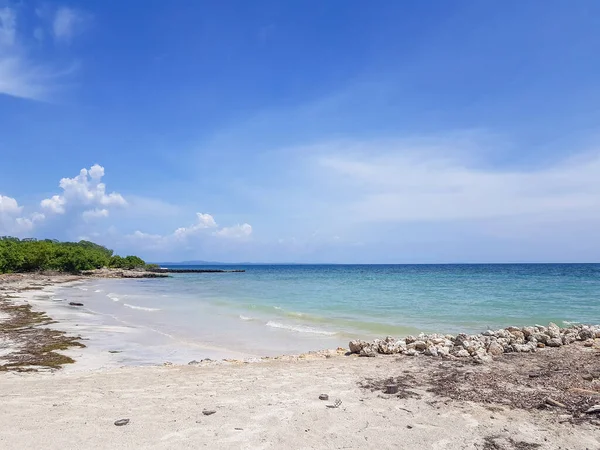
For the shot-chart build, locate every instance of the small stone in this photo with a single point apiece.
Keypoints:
(589, 343)
(554, 342)
(391, 389)
(75, 304)
(121, 422)
(587, 377)
(208, 412)
(323, 397)
(193, 363)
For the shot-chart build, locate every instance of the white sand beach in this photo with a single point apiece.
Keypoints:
(263, 405)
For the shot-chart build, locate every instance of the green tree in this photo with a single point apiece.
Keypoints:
(29, 255)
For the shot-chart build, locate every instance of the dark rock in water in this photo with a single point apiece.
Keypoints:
(121, 422)
(323, 397)
(75, 304)
(208, 412)
(193, 363)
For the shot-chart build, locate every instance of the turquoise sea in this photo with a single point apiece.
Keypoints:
(275, 309)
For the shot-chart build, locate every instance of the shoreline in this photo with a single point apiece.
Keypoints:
(33, 292)
(516, 400)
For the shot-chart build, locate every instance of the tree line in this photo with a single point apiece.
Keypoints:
(31, 255)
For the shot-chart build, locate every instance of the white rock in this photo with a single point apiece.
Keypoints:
(495, 349)
(356, 345)
(431, 351)
(369, 351)
(443, 351)
(553, 330)
(528, 331)
(410, 339)
(462, 353)
(586, 334)
(420, 346)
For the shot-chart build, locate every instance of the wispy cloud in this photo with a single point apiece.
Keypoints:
(407, 185)
(67, 22)
(22, 75)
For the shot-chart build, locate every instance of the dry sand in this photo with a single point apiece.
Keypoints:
(275, 404)
(263, 405)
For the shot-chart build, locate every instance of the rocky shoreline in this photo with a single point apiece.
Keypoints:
(481, 347)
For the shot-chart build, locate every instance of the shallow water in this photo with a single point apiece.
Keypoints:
(271, 310)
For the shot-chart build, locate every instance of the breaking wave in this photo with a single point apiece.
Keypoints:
(299, 328)
(141, 308)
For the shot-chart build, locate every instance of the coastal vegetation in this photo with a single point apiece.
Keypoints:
(32, 255)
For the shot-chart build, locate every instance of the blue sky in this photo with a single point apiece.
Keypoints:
(304, 131)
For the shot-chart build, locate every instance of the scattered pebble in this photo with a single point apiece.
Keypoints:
(323, 397)
(121, 422)
(208, 412)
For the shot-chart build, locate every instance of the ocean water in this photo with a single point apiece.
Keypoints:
(277, 309)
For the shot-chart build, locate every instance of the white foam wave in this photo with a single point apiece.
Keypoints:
(299, 328)
(142, 308)
(98, 290)
(277, 307)
(245, 317)
(113, 297)
(82, 288)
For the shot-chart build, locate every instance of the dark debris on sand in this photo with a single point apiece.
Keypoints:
(568, 376)
(36, 345)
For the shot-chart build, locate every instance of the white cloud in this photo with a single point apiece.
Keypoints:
(20, 75)
(236, 231)
(193, 238)
(405, 186)
(54, 204)
(9, 206)
(84, 190)
(97, 213)
(66, 23)
(204, 221)
(8, 27)
(27, 224)
(10, 220)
